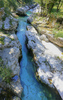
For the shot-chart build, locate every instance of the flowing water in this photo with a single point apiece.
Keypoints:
(32, 89)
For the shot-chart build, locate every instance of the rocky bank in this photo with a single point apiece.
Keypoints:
(50, 66)
(45, 26)
(10, 52)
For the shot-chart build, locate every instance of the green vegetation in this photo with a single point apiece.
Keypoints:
(48, 5)
(50, 25)
(59, 13)
(10, 4)
(27, 1)
(54, 11)
(2, 40)
(59, 34)
(5, 73)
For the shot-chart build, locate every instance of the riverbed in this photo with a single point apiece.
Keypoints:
(32, 89)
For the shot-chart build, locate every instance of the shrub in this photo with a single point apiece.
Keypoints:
(5, 73)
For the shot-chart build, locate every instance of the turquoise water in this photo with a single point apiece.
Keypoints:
(32, 89)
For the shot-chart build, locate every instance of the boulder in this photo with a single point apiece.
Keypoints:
(26, 8)
(21, 12)
(6, 25)
(16, 87)
(7, 22)
(31, 29)
(14, 15)
(36, 9)
(10, 23)
(58, 41)
(30, 19)
(44, 37)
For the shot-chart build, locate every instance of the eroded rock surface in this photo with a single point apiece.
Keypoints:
(36, 9)
(10, 51)
(7, 22)
(21, 11)
(50, 67)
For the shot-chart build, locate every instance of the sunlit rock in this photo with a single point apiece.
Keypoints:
(43, 37)
(10, 51)
(58, 41)
(16, 88)
(36, 9)
(48, 60)
(21, 12)
(10, 23)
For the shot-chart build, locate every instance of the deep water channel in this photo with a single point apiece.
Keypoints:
(32, 89)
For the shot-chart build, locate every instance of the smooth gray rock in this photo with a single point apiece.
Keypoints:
(36, 9)
(44, 37)
(58, 41)
(21, 12)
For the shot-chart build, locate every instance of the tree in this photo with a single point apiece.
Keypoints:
(27, 1)
(59, 4)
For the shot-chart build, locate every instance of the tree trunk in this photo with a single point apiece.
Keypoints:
(41, 6)
(50, 7)
(58, 5)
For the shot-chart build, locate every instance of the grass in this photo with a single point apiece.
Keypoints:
(59, 13)
(58, 34)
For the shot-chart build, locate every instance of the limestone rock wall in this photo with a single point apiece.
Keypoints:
(50, 67)
(10, 52)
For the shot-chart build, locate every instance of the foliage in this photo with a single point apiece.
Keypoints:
(5, 72)
(50, 25)
(59, 33)
(59, 13)
(48, 5)
(13, 4)
(10, 4)
(27, 1)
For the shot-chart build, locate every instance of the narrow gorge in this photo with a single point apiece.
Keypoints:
(31, 57)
